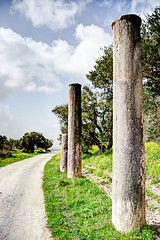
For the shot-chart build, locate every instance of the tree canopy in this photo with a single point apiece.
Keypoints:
(27, 143)
(31, 140)
(150, 41)
(97, 112)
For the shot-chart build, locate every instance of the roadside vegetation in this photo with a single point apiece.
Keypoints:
(19, 155)
(80, 208)
(16, 150)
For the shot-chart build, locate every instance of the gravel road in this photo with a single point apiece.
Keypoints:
(22, 211)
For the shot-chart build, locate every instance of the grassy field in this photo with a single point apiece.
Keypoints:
(104, 161)
(18, 156)
(78, 209)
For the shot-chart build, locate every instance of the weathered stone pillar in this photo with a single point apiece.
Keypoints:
(128, 190)
(74, 131)
(64, 153)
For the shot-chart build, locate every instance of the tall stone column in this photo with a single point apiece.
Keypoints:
(74, 131)
(64, 153)
(128, 190)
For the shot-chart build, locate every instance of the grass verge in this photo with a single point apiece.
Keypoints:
(77, 209)
(18, 156)
(104, 162)
(152, 161)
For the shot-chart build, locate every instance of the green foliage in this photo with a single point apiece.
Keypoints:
(151, 116)
(97, 117)
(153, 195)
(79, 210)
(97, 112)
(91, 152)
(62, 113)
(10, 149)
(152, 156)
(97, 102)
(16, 157)
(102, 74)
(101, 162)
(5, 147)
(152, 161)
(150, 41)
(3, 142)
(31, 140)
(62, 183)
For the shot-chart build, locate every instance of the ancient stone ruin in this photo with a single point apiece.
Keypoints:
(128, 191)
(64, 153)
(74, 131)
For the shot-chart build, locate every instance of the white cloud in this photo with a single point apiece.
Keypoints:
(54, 14)
(80, 60)
(139, 7)
(8, 122)
(121, 6)
(143, 6)
(106, 3)
(25, 64)
(5, 111)
(36, 66)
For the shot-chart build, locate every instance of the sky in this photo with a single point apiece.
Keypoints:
(44, 46)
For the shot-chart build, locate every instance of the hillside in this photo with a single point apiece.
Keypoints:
(81, 208)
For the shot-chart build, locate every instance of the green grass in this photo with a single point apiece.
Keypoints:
(152, 161)
(77, 209)
(18, 156)
(104, 161)
(100, 162)
(153, 195)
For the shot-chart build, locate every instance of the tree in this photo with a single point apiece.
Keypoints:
(62, 113)
(27, 142)
(48, 143)
(31, 140)
(96, 119)
(4, 144)
(97, 112)
(96, 106)
(151, 116)
(101, 115)
(5, 148)
(150, 41)
(2, 141)
(101, 76)
(13, 143)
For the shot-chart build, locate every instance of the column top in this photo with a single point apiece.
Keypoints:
(73, 84)
(129, 17)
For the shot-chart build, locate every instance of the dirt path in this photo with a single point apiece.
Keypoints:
(152, 216)
(22, 212)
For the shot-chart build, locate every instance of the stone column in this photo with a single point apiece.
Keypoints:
(64, 153)
(74, 131)
(128, 190)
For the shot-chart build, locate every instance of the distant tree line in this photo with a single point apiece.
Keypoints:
(27, 143)
(97, 98)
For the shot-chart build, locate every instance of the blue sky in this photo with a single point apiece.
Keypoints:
(44, 46)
